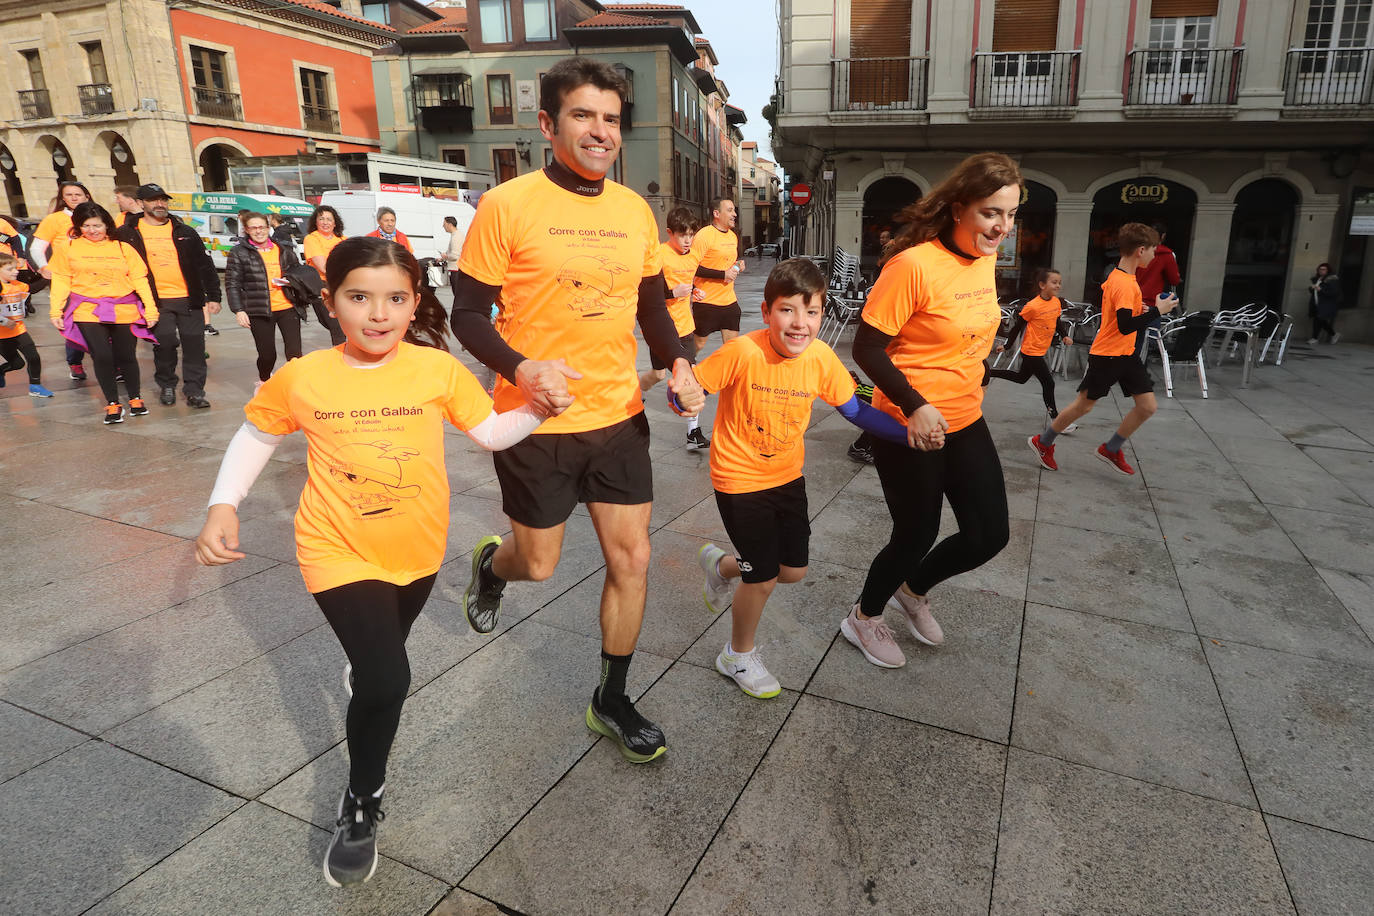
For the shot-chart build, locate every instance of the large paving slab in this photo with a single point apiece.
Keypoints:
(30, 739)
(1327, 872)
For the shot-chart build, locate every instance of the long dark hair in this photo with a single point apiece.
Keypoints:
(975, 178)
(313, 225)
(90, 210)
(430, 327)
(58, 204)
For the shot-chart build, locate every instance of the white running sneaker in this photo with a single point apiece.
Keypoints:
(919, 620)
(747, 670)
(716, 590)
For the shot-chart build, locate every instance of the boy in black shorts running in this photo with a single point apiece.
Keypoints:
(1112, 360)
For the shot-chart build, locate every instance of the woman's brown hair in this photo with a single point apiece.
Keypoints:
(932, 216)
(430, 327)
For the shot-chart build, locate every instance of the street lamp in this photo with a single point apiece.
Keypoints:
(119, 152)
(6, 160)
(59, 157)
(522, 149)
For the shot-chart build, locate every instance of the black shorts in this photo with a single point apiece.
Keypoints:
(544, 476)
(688, 345)
(769, 528)
(712, 318)
(1105, 371)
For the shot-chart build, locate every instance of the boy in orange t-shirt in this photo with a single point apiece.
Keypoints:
(767, 380)
(1112, 359)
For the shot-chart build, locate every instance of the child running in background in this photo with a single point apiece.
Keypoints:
(767, 380)
(373, 517)
(1112, 359)
(1040, 320)
(16, 346)
(679, 269)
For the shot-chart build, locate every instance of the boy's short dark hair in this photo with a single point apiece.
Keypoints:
(795, 276)
(128, 190)
(6, 259)
(573, 73)
(1134, 236)
(681, 219)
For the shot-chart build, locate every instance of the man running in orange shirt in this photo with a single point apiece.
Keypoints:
(719, 262)
(572, 261)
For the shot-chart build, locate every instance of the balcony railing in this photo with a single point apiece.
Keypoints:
(34, 104)
(1329, 78)
(216, 103)
(1025, 79)
(325, 120)
(878, 84)
(444, 102)
(1172, 76)
(96, 98)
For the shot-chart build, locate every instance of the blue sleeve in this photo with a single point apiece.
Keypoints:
(872, 420)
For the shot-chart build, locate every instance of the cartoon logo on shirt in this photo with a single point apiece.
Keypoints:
(772, 434)
(591, 281)
(372, 474)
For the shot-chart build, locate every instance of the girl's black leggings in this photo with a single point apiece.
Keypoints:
(265, 339)
(11, 349)
(372, 620)
(1036, 366)
(112, 345)
(915, 484)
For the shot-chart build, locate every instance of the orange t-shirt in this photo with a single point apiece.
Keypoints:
(7, 229)
(1042, 318)
(716, 250)
(271, 259)
(16, 326)
(376, 502)
(941, 309)
(1119, 291)
(765, 407)
(569, 269)
(399, 240)
(318, 244)
(162, 260)
(98, 270)
(679, 269)
(55, 229)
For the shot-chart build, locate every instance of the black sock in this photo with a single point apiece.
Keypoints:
(614, 668)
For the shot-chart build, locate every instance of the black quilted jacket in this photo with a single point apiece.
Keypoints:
(245, 279)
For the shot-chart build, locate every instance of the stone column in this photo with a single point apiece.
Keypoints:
(1311, 246)
(1071, 216)
(1207, 258)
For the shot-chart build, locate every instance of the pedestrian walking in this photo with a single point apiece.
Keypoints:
(255, 287)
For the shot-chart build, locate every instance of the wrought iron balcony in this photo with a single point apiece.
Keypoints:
(96, 98)
(1172, 76)
(34, 104)
(443, 101)
(878, 83)
(1046, 81)
(216, 103)
(1329, 78)
(325, 120)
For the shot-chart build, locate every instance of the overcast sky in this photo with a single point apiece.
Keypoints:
(744, 34)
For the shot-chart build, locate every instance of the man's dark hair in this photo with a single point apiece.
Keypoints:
(573, 73)
(793, 277)
(717, 202)
(451, 221)
(128, 190)
(681, 219)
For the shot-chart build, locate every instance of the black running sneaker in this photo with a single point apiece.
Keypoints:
(638, 739)
(482, 597)
(352, 854)
(860, 453)
(211, 331)
(696, 439)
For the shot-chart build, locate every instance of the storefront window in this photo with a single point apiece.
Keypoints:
(247, 179)
(284, 180)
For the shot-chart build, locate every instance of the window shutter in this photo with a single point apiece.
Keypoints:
(1170, 9)
(1025, 25)
(880, 28)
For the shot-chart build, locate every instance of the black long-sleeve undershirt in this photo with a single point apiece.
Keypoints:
(1127, 323)
(656, 324)
(870, 353)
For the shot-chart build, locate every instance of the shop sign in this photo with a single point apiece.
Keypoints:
(400, 188)
(1153, 193)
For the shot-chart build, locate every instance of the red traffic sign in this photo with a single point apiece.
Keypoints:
(801, 193)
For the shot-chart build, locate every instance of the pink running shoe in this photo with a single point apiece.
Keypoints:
(873, 639)
(1043, 452)
(1115, 459)
(916, 612)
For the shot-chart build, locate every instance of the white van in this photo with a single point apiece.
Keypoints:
(215, 215)
(420, 218)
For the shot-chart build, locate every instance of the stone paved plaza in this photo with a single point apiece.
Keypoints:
(1157, 699)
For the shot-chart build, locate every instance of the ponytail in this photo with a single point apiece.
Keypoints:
(430, 326)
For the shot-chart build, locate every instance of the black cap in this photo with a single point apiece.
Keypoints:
(150, 192)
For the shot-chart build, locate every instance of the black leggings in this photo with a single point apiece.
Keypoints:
(372, 620)
(1323, 323)
(12, 347)
(1036, 366)
(915, 484)
(266, 340)
(112, 345)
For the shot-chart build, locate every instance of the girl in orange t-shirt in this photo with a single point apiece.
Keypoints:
(372, 522)
(1040, 319)
(928, 325)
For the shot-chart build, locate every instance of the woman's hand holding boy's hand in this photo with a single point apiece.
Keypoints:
(218, 542)
(926, 428)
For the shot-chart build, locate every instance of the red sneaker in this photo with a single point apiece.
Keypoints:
(1115, 459)
(1045, 453)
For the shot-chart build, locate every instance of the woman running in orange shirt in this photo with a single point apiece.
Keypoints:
(372, 521)
(927, 327)
(51, 234)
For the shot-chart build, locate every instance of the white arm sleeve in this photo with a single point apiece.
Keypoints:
(38, 253)
(502, 430)
(247, 454)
